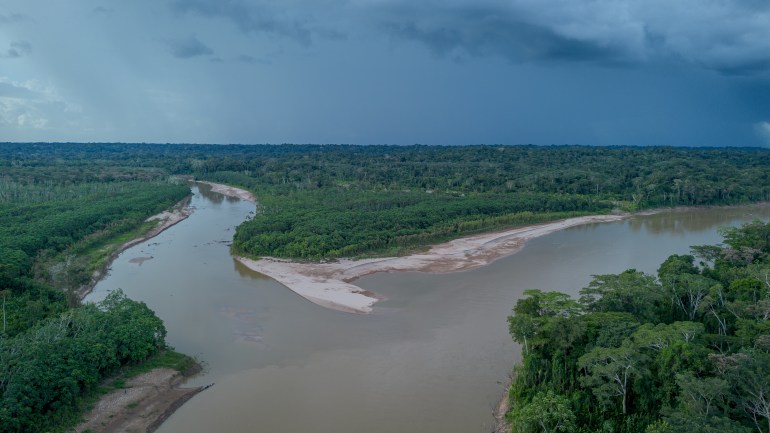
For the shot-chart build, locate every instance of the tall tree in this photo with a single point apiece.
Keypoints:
(546, 413)
(610, 372)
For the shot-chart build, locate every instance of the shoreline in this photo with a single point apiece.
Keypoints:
(501, 409)
(330, 284)
(142, 405)
(168, 218)
(230, 191)
(150, 398)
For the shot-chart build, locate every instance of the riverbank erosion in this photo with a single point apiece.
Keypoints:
(330, 284)
(141, 406)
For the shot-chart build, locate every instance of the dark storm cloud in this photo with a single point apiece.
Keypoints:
(249, 17)
(361, 71)
(485, 32)
(730, 37)
(189, 47)
(17, 49)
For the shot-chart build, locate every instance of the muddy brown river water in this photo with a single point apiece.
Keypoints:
(431, 358)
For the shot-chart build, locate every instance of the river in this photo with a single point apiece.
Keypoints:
(431, 358)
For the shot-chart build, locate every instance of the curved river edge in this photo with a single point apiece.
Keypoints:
(149, 398)
(328, 284)
(158, 393)
(166, 219)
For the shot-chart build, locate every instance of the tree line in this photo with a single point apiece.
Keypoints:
(61, 213)
(687, 349)
(326, 201)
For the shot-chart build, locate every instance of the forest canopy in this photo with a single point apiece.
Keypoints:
(61, 215)
(326, 201)
(63, 206)
(686, 350)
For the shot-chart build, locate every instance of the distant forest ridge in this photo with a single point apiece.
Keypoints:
(327, 201)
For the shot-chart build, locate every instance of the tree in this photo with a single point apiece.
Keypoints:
(691, 423)
(522, 327)
(546, 413)
(630, 291)
(661, 336)
(610, 371)
(749, 374)
(688, 291)
(541, 312)
(551, 304)
(752, 236)
(701, 397)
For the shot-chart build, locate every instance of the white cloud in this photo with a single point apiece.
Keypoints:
(32, 106)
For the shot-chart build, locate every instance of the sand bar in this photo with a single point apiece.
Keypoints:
(330, 284)
(231, 191)
(145, 402)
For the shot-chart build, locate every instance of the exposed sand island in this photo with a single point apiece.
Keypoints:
(329, 284)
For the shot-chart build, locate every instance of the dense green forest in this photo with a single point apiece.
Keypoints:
(327, 201)
(59, 220)
(320, 202)
(64, 206)
(687, 350)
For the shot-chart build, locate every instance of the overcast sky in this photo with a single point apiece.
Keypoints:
(603, 72)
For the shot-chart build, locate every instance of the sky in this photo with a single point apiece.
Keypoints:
(451, 72)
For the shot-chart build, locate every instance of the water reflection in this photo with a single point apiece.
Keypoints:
(207, 192)
(680, 221)
(246, 272)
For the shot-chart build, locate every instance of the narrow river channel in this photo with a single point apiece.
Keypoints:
(433, 356)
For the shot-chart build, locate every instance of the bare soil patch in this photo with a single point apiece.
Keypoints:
(141, 407)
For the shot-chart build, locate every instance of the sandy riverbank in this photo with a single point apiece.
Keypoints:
(150, 398)
(329, 284)
(146, 401)
(166, 219)
(231, 191)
